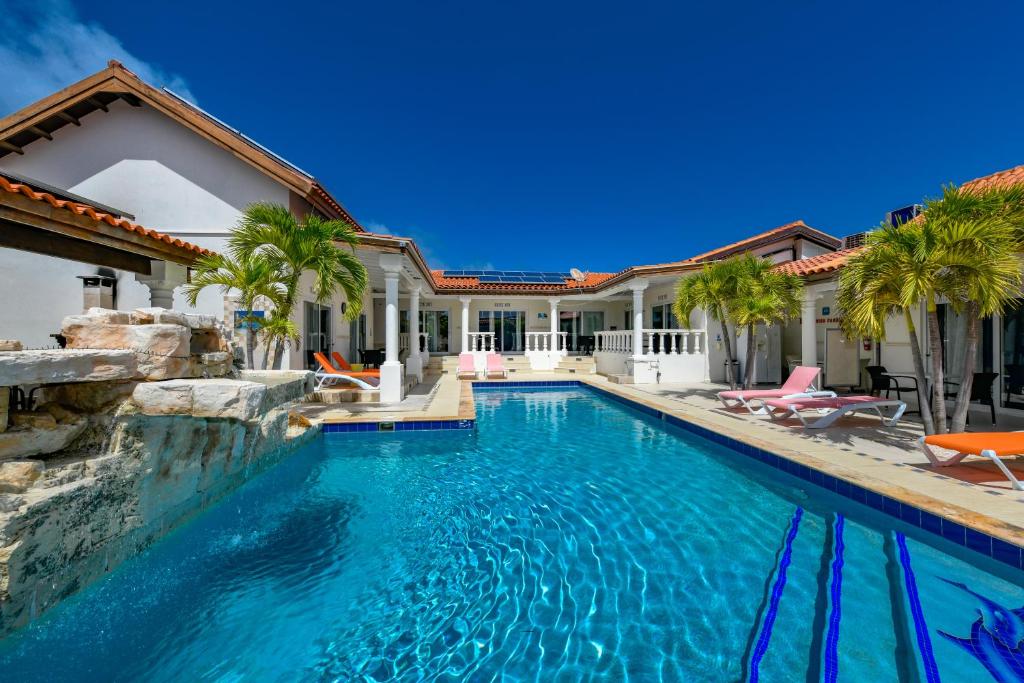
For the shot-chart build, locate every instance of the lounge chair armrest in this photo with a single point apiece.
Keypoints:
(812, 394)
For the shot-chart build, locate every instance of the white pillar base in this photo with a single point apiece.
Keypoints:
(392, 383)
(414, 365)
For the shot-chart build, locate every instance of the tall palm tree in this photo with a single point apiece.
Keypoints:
(978, 234)
(253, 277)
(324, 247)
(764, 296)
(871, 291)
(712, 289)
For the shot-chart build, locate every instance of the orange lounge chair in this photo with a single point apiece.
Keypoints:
(328, 375)
(991, 445)
(342, 364)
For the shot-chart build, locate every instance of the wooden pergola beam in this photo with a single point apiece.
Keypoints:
(11, 146)
(41, 133)
(27, 238)
(69, 118)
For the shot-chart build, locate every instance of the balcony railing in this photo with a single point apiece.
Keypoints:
(481, 341)
(546, 341)
(655, 342)
(403, 341)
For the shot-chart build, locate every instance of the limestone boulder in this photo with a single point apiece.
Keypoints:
(158, 316)
(108, 315)
(55, 366)
(10, 345)
(213, 398)
(37, 436)
(161, 350)
(91, 397)
(199, 321)
(18, 476)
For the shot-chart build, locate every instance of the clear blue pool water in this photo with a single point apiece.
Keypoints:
(568, 538)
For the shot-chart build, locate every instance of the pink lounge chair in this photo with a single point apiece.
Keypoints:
(467, 366)
(839, 406)
(799, 383)
(495, 366)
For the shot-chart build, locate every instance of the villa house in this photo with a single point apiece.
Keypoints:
(146, 156)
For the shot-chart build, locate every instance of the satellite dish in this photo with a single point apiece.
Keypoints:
(577, 274)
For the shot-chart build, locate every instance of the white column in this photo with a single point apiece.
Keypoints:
(808, 330)
(554, 325)
(413, 362)
(163, 278)
(638, 318)
(465, 322)
(392, 384)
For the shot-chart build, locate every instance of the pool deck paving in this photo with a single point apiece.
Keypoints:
(856, 449)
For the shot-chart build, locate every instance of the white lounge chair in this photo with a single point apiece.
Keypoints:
(839, 406)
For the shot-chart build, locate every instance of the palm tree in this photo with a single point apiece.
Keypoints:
(253, 277)
(764, 296)
(295, 246)
(871, 291)
(712, 289)
(978, 234)
(278, 328)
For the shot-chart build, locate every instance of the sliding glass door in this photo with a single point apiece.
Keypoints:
(509, 328)
(580, 324)
(435, 324)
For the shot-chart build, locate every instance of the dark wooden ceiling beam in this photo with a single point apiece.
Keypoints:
(25, 238)
(41, 133)
(11, 146)
(96, 103)
(69, 118)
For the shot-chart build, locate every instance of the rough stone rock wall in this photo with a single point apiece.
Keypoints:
(149, 457)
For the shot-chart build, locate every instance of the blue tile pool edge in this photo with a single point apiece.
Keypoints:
(997, 549)
(460, 425)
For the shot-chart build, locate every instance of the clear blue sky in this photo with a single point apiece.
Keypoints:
(552, 134)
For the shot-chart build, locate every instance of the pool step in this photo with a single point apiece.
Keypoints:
(620, 379)
(577, 365)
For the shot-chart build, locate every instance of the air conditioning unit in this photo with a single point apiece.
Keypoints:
(903, 215)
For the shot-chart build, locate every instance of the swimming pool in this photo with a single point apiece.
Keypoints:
(566, 537)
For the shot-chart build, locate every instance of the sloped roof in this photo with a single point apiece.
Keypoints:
(169, 248)
(795, 229)
(96, 92)
(1008, 178)
(820, 264)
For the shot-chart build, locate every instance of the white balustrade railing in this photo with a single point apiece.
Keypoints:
(655, 342)
(546, 341)
(614, 341)
(403, 341)
(481, 341)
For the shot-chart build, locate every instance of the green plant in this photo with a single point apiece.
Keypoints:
(765, 296)
(712, 289)
(323, 247)
(251, 276)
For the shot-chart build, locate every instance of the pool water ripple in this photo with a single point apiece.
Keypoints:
(567, 539)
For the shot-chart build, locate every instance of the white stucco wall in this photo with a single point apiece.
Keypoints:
(139, 161)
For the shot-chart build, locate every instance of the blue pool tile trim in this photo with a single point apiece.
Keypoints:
(390, 427)
(831, 668)
(924, 642)
(990, 546)
(765, 635)
(528, 385)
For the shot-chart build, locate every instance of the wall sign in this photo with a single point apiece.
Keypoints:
(825, 310)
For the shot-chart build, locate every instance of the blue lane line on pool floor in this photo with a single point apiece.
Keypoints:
(831, 668)
(924, 642)
(773, 607)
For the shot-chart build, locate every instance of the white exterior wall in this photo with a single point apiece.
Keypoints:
(136, 160)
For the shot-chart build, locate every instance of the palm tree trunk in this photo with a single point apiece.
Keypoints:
(266, 355)
(250, 347)
(938, 387)
(278, 353)
(748, 372)
(922, 377)
(729, 377)
(963, 396)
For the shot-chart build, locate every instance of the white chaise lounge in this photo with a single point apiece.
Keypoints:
(839, 406)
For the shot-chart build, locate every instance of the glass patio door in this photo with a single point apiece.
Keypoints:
(509, 328)
(580, 324)
(318, 331)
(435, 324)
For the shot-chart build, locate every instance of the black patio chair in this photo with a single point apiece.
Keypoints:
(981, 391)
(1014, 381)
(881, 381)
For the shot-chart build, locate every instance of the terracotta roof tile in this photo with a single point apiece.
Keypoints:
(816, 265)
(796, 227)
(1007, 178)
(86, 210)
